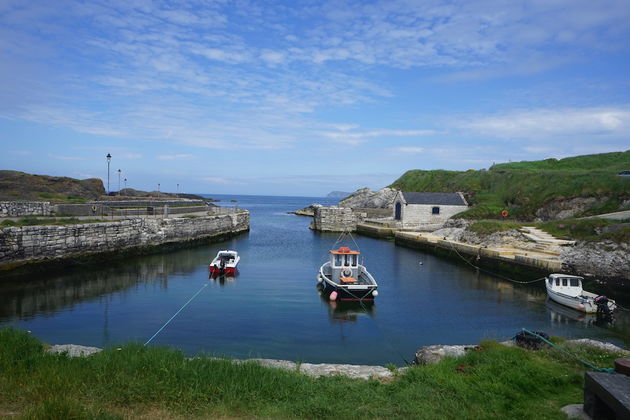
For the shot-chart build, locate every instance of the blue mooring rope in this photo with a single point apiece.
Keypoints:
(176, 313)
(584, 362)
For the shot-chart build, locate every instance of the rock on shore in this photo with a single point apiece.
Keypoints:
(366, 198)
(603, 260)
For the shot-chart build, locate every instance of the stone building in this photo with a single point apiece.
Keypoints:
(416, 209)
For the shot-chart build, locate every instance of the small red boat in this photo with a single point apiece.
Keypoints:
(224, 263)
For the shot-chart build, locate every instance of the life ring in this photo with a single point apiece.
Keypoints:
(93, 208)
(346, 272)
(504, 213)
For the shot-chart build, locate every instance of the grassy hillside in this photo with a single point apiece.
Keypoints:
(524, 187)
(20, 186)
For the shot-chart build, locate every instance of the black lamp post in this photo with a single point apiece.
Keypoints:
(109, 157)
(125, 183)
(119, 182)
(158, 191)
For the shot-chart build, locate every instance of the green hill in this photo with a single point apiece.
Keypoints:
(523, 188)
(20, 186)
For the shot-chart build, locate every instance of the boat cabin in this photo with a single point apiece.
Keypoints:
(565, 284)
(345, 264)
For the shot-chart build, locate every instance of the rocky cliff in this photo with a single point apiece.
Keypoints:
(366, 198)
(20, 186)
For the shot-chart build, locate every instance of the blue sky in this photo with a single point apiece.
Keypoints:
(305, 97)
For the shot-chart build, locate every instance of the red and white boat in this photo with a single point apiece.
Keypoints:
(224, 263)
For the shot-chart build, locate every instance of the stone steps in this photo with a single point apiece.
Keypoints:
(541, 237)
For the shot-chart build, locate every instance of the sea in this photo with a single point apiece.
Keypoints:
(273, 309)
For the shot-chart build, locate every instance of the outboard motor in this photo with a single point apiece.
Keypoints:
(602, 306)
(222, 266)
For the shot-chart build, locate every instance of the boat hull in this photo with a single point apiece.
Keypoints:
(227, 271)
(349, 295)
(585, 303)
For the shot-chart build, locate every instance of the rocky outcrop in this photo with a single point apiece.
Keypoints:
(310, 369)
(366, 198)
(337, 194)
(598, 259)
(16, 185)
(428, 355)
(308, 211)
(559, 208)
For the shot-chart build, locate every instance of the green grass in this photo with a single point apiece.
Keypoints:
(487, 227)
(591, 230)
(524, 187)
(61, 198)
(34, 221)
(494, 382)
(610, 162)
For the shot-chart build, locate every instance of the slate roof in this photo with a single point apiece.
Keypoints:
(444, 199)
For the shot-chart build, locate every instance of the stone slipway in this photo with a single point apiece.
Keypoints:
(542, 261)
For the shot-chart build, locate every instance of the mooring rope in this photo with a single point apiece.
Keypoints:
(388, 341)
(176, 313)
(584, 362)
(490, 272)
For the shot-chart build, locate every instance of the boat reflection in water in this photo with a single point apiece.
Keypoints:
(347, 312)
(223, 279)
(562, 315)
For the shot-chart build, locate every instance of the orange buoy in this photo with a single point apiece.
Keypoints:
(504, 213)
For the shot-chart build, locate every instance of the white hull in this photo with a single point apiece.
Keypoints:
(583, 303)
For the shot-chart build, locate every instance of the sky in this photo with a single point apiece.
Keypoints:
(306, 97)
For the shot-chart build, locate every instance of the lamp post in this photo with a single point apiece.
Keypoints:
(177, 189)
(119, 182)
(158, 190)
(125, 183)
(109, 157)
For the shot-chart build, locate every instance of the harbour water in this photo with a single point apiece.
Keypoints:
(272, 309)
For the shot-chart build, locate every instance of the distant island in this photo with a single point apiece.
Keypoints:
(337, 194)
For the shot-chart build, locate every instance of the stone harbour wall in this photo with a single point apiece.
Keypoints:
(334, 219)
(24, 208)
(40, 243)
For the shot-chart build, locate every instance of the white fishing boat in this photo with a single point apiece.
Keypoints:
(343, 278)
(567, 290)
(224, 263)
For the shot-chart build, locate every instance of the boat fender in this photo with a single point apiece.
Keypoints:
(319, 279)
(375, 293)
(346, 272)
(333, 296)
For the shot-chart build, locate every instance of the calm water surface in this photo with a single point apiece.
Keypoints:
(272, 309)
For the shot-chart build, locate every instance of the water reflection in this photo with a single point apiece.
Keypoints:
(560, 314)
(27, 298)
(222, 279)
(347, 312)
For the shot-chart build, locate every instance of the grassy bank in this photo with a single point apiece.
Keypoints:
(525, 187)
(134, 381)
(588, 230)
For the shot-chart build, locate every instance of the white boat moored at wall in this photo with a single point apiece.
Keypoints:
(567, 290)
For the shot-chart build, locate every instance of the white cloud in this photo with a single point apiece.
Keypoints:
(219, 180)
(546, 123)
(345, 135)
(409, 149)
(61, 157)
(175, 156)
